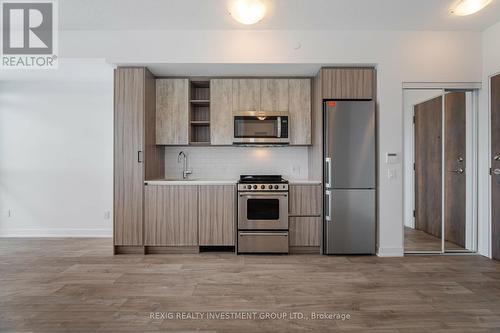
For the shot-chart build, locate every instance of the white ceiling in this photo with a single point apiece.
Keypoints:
(282, 14)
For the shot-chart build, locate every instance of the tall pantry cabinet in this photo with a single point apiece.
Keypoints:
(136, 157)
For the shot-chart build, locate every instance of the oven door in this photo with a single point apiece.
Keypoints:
(262, 211)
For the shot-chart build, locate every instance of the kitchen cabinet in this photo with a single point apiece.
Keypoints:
(300, 111)
(246, 94)
(216, 215)
(274, 95)
(305, 200)
(172, 111)
(348, 83)
(171, 215)
(221, 113)
(304, 231)
(136, 158)
(305, 217)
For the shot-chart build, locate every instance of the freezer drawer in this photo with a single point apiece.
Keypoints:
(262, 242)
(350, 220)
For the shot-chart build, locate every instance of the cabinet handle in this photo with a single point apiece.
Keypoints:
(139, 156)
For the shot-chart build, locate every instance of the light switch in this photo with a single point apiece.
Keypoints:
(392, 174)
(392, 158)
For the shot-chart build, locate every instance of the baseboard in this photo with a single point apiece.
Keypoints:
(57, 232)
(390, 252)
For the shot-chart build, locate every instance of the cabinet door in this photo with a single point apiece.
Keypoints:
(246, 94)
(300, 111)
(221, 114)
(217, 214)
(274, 95)
(348, 83)
(305, 200)
(128, 145)
(304, 231)
(172, 111)
(171, 215)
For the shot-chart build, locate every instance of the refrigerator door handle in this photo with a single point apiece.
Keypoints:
(328, 213)
(328, 166)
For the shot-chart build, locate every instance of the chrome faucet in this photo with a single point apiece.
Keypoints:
(185, 171)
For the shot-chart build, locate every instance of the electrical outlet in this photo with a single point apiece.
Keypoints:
(107, 214)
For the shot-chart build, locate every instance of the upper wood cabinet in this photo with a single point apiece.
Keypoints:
(348, 83)
(171, 215)
(246, 94)
(221, 112)
(299, 92)
(216, 215)
(305, 200)
(172, 111)
(274, 95)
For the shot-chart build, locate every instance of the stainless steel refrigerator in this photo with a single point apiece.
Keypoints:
(349, 177)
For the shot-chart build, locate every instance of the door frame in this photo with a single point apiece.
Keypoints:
(409, 158)
(488, 234)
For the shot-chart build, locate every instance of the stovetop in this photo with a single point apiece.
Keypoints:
(257, 183)
(262, 179)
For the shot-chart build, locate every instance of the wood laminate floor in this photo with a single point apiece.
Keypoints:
(418, 240)
(76, 285)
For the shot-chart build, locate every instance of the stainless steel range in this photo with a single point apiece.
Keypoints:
(262, 214)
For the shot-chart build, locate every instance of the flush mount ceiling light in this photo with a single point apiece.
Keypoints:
(248, 11)
(468, 7)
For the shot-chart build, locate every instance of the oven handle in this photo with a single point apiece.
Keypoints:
(263, 234)
(260, 194)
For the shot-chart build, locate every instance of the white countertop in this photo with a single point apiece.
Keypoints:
(304, 182)
(190, 182)
(219, 182)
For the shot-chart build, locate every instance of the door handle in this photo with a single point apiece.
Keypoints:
(459, 171)
(496, 157)
(328, 166)
(139, 156)
(328, 216)
(496, 172)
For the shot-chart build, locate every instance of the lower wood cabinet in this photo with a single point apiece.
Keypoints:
(305, 230)
(305, 200)
(171, 215)
(216, 215)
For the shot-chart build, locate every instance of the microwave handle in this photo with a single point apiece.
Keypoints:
(279, 127)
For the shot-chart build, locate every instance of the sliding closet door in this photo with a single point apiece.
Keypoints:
(495, 166)
(455, 170)
(426, 234)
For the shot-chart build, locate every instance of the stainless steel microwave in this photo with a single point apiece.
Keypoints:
(261, 127)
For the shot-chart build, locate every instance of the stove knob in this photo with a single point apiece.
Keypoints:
(249, 186)
(270, 187)
(276, 187)
(255, 187)
(262, 186)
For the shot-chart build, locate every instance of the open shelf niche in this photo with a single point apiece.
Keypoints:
(199, 115)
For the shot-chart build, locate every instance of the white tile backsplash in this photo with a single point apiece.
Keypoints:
(231, 162)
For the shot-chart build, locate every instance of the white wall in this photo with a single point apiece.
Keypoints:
(491, 66)
(56, 132)
(417, 56)
(231, 162)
